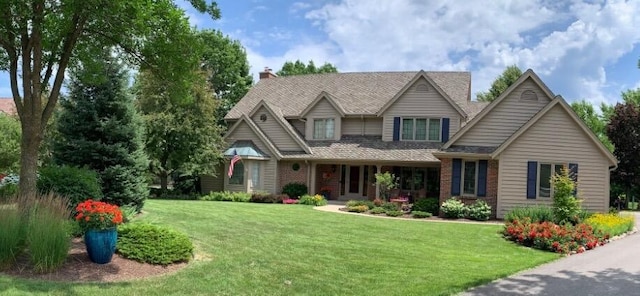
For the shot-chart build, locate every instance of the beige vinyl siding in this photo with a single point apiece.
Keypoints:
(420, 104)
(362, 126)
(276, 133)
(269, 167)
(506, 118)
(298, 125)
(323, 109)
(209, 183)
(557, 139)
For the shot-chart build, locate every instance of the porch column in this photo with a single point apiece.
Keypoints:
(312, 182)
(379, 170)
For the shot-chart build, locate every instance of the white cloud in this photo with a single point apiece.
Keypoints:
(298, 7)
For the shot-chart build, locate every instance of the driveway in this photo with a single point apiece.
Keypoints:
(613, 269)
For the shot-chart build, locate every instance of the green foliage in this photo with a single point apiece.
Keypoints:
(313, 200)
(479, 210)
(453, 208)
(387, 182)
(9, 143)
(367, 203)
(420, 214)
(186, 184)
(624, 132)
(357, 209)
(299, 68)
(76, 184)
(182, 136)
(128, 213)
(12, 233)
(48, 235)
(566, 207)
(536, 214)
(227, 67)
(8, 190)
(266, 197)
(153, 244)
(100, 129)
(500, 84)
(232, 196)
(596, 122)
(430, 205)
(295, 189)
(611, 224)
(395, 213)
(377, 210)
(390, 206)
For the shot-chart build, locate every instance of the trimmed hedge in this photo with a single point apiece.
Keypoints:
(153, 244)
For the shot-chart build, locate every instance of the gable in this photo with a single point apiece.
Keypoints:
(322, 109)
(270, 126)
(244, 129)
(507, 116)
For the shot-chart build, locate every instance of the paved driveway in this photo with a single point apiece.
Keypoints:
(610, 270)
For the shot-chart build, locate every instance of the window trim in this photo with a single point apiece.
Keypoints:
(553, 171)
(413, 136)
(462, 171)
(239, 174)
(324, 134)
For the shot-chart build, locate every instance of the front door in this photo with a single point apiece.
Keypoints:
(353, 181)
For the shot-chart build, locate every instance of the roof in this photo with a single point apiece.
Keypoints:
(7, 106)
(357, 93)
(245, 148)
(369, 148)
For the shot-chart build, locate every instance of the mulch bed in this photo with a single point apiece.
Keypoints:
(78, 268)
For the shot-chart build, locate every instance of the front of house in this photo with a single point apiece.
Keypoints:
(333, 132)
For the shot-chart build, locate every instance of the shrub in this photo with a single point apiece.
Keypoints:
(8, 190)
(316, 200)
(12, 232)
(536, 214)
(186, 184)
(420, 214)
(76, 184)
(128, 213)
(357, 209)
(389, 206)
(153, 244)
(553, 237)
(48, 232)
(265, 197)
(229, 196)
(479, 210)
(295, 189)
(378, 202)
(378, 210)
(367, 203)
(387, 182)
(395, 213)
(430, 205)
(611, 224)
(453, 208)
(566, 206)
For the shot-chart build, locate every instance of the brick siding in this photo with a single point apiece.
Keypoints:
(287, 175)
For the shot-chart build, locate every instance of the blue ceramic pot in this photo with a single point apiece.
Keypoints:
(101, 244)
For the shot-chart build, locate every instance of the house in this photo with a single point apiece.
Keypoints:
(7, 106)
(333, 132)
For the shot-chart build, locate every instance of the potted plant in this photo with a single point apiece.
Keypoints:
(99, 220)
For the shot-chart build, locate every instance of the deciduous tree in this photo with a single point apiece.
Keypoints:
(624, 132)
(299, 68)
(502, 82)
(596, 122)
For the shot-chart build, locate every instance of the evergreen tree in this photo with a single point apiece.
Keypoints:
(100, 129)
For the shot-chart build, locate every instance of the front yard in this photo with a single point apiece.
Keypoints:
(275, 249)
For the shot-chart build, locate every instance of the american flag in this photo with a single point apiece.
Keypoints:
(235, 159)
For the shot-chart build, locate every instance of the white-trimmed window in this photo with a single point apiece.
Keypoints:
(237, 178)
(255, 175)
(421, 129)
(545, 171)
(323, 128)
(469, 177)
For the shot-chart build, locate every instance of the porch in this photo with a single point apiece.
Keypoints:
(347, 181)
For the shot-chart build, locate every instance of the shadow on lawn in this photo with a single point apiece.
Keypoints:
(610, 281)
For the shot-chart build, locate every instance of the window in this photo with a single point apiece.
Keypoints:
(421, 129)
(237, 178)
(545, 188)
(255, 175)
(323, 128)
(469, 177)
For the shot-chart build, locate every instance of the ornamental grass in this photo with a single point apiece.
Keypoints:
(12, 232)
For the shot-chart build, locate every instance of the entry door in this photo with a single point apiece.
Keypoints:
(354, 179)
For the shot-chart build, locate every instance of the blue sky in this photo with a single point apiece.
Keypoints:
(581, 49)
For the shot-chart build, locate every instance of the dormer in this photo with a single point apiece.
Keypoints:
(323, 118)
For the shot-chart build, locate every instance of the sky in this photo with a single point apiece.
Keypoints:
(581, 49)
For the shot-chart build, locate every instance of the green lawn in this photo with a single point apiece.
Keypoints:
(269, 249)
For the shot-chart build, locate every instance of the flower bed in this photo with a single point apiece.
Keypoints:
(553, 237)
(612, 224)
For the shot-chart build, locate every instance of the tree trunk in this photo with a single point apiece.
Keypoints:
(31, 138)
(164, 180)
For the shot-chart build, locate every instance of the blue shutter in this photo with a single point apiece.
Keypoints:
(573, 172)
(445, 130)
(456, 176)
(532, 178)
(396, 129)
(482, 178)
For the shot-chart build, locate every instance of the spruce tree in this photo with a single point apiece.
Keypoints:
(100, 129)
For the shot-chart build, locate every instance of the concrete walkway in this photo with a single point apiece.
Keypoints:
(613, 269)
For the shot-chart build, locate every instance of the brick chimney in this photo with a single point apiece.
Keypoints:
(267, 73)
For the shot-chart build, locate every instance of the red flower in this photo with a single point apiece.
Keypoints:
(98, 215)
